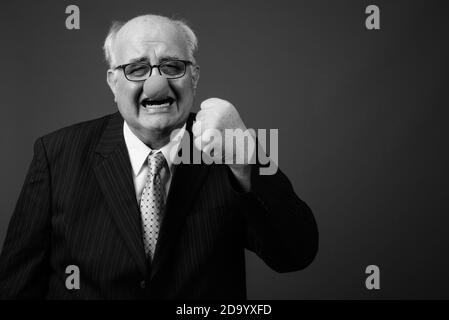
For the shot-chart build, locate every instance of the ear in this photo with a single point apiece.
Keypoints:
(195, 75)
(111, 78)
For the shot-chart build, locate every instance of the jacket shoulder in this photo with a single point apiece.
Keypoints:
(82, 134)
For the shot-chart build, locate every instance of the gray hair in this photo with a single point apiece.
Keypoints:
(189, 35)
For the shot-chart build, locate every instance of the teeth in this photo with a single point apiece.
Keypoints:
(157, 105)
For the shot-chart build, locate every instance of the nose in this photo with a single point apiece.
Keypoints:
(156, 86)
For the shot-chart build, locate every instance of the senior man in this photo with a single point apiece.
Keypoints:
(107, 198)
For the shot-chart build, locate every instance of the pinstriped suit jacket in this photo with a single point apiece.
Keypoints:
(78, 207)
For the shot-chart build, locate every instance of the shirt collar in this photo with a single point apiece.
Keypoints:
(139, 151)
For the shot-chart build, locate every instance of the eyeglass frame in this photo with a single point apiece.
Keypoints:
(123, 66)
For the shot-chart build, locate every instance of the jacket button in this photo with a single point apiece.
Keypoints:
(142, 284)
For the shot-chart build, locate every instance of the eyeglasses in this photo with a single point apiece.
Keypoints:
(140, 71)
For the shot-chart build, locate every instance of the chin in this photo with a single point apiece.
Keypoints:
(158, 122)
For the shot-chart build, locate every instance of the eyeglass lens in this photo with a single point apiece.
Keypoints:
(169, 69)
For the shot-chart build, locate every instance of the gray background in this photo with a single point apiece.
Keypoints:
(361, 116)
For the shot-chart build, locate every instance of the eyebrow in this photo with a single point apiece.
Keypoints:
(162, 59)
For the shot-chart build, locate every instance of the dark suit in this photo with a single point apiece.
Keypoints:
(78, 207)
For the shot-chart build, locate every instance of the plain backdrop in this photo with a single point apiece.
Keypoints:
(361, 116)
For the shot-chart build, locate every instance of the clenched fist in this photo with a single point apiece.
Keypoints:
(215, 121)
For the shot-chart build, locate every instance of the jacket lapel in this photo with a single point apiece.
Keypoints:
(114, 174)
(186, 183)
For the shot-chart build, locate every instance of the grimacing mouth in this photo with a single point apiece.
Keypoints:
(156, 102)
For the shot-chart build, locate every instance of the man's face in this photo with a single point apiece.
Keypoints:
(152, 42)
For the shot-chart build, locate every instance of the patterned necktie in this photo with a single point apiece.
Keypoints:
(152, 203)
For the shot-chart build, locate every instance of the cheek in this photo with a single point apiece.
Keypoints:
(183, 90)
(128, 92)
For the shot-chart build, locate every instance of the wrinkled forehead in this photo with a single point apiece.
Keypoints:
(149, 39)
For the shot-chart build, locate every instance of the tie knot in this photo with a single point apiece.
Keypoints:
(155, 162)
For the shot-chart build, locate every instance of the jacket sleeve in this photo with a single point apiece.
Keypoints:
(280, 227)
(24, 261)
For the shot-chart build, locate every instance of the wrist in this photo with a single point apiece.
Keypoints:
(242, 173)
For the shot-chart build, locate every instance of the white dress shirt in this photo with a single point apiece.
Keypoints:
(138, 155)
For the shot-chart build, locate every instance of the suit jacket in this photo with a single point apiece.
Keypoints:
(78, 207)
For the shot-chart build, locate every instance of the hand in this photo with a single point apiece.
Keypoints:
(214, 117)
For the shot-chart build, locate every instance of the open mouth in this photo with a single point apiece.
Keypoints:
(160, 103)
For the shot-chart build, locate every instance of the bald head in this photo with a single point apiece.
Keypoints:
(142, 27)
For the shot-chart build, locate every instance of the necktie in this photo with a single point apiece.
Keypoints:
(152, 203)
